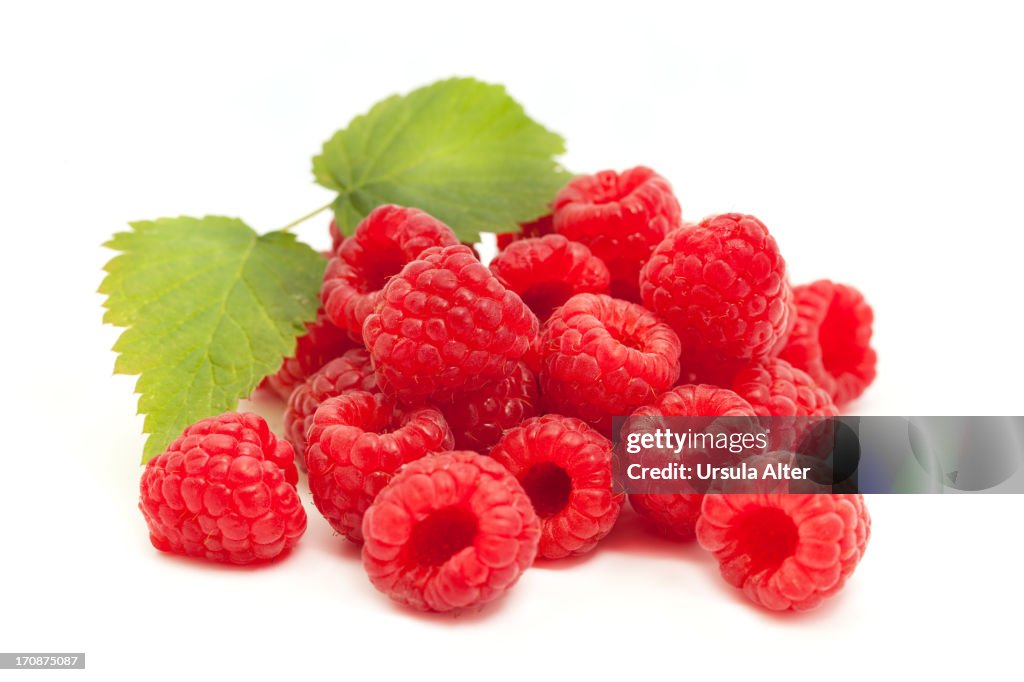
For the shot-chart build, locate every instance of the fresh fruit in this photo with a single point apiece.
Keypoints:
(565, 467)
(422, 357)
(621, 217)
(831, 339)
(445, 325)
(721, 285)
(786, 552)
(451, 531)
(547, 271)
(383, 243)
(356, 444)
(601, 356)
(223, 491)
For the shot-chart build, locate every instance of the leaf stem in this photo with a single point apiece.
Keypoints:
(311, 214)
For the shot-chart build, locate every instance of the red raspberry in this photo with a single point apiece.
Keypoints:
(351, 372)
(385, 241)
(786, 552)
(774, 388)
(601, 357)
(445, 325)
(451, 531)
(621, 217)
(674, 515)
(831, 339)
(565, 467)
(322, 342)
(478, 419)
(545, 272)
(219, 492)
(722, 286)
(537, 228)
(356, 444)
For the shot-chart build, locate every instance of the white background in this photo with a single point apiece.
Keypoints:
(881, 143)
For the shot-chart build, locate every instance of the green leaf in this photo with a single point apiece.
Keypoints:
(209, 308)
(461, 150)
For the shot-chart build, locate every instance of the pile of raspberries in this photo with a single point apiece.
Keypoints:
(455, 418)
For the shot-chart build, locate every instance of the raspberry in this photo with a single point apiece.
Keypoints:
(322, 342)
(356, 444)
(451, 531)
(220, 492)
(537, 228)
(602, 357)
(774, 388)
(387, 239)
(445, 325)
(786, 552)
(674, 515)
(547, 271)
(831, 339)
(722, 286)
(621, 217)
(478, 419)
(565, 467)
(351, 372)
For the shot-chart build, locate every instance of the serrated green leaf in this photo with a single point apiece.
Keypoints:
(209, 308)
(461, 150)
